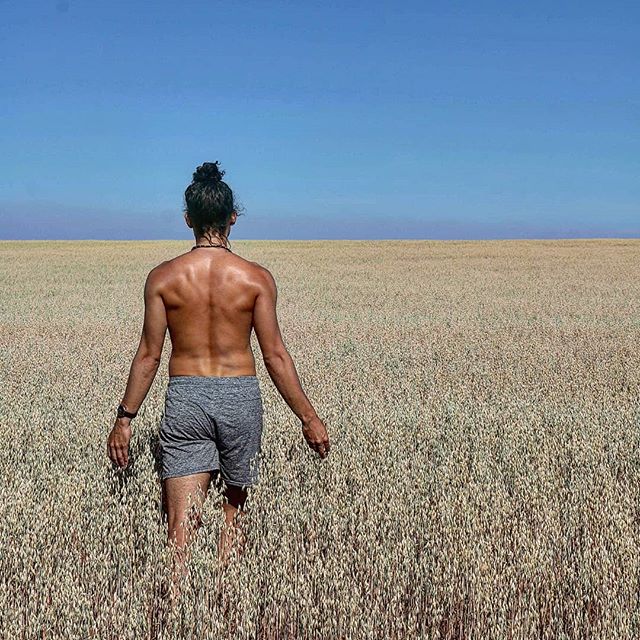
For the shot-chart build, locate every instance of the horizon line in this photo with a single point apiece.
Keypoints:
(515, 239)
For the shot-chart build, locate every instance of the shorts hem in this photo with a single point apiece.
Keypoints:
(180, 474)
(233, 483)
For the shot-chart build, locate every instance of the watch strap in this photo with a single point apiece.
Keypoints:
(123, 413)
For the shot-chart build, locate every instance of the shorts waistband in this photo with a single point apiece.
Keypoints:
(211, 380)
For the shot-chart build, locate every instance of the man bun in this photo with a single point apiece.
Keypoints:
(208, 173)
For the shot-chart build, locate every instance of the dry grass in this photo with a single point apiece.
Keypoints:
(484, 479)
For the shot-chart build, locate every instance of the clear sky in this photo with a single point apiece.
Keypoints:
(332, 119)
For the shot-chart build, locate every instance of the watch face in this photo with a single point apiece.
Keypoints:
(120, 411)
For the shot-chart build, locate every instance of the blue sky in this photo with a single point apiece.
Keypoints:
(332, 120)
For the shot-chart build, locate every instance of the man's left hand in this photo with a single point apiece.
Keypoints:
(118, 442)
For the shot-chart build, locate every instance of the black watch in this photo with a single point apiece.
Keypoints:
(123, 413)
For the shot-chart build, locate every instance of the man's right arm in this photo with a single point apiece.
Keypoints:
(279, 364)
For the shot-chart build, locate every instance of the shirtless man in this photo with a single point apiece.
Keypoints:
(210, 299)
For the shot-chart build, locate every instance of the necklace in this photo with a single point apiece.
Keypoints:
(210, 246)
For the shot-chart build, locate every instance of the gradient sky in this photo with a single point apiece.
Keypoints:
(332, 120)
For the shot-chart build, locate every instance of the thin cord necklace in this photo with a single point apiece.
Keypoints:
(210, 246)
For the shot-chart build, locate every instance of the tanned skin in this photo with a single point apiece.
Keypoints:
(210, 300)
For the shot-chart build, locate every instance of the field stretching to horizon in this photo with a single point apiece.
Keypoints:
(483, 403)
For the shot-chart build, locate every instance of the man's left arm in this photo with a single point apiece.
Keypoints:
(143, 368)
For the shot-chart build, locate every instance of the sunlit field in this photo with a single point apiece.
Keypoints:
(483, 402)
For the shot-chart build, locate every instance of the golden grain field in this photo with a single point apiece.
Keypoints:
(483, 402)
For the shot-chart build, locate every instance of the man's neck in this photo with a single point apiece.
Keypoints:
(212, 239)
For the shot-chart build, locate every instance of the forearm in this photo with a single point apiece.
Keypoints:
(284, 375)
(141, 375)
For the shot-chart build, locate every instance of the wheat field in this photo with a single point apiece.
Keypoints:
(483, 402)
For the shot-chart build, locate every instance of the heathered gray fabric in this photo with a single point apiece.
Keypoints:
(211, 423)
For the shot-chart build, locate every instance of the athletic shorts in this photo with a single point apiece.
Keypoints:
(212, 423)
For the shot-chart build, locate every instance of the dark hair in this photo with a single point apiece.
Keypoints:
(208, 200)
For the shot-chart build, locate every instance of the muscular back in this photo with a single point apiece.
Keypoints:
(209, 297)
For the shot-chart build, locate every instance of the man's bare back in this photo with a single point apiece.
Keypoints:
(209, 297)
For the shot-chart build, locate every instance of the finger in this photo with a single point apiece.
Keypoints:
(320, 449)
(121, 456)
(112, 455)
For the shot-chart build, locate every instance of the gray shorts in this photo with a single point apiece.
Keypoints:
(212, 423)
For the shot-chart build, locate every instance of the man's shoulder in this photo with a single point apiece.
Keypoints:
(162, 275)
(159, 271)
(262, 274)
(257, 267)
(167, 267)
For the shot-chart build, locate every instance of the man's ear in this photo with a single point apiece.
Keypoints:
(234, 217)
(187, 219)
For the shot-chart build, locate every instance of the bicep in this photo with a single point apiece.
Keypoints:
(265, 319)
(155, 320)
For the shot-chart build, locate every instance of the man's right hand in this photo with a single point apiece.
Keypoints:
(118, 442)
(315, 433)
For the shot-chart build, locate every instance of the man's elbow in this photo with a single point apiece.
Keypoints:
(149, 359)
(275, 357)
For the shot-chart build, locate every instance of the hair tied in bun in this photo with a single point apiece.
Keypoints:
(208, 173)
